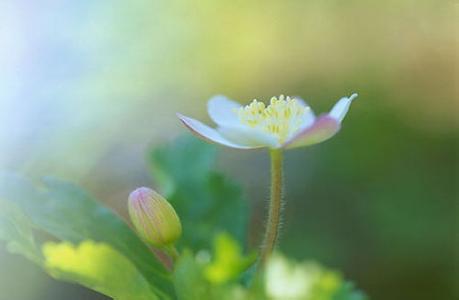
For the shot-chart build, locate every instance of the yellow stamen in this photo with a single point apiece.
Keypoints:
(282, 117)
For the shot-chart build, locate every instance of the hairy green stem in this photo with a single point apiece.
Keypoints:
(275, 206)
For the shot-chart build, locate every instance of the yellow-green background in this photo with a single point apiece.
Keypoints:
(86, 87)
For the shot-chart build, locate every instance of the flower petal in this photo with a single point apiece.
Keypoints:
(302, 102)
(309, 115)
(207, 133)
(248, 136)
(341, 107)
(223, 110)
(323, 128)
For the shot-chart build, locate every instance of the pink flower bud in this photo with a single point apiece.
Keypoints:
(154, 218)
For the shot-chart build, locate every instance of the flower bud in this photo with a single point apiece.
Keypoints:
(154, 218)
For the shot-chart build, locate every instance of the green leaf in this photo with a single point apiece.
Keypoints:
(190, 283)
(206, 201)
(228, 261)
(347, 291)
(70, 214)
(99, 267)
(16, 231)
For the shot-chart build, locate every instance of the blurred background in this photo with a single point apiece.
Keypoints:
(88, 87)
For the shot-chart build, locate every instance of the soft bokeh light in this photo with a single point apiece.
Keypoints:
(87, 87)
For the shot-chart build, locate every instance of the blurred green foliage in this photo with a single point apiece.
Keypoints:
(283, 280)
(206, 201)
(66, 212)
(99, 267)
(378, 200)
(228, 261)
(16, 231)
(98, 251)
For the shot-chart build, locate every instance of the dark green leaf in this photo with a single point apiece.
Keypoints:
(347, 291)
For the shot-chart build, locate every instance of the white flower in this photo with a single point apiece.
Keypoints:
(286, 280)
(284, 123)
(289, 280)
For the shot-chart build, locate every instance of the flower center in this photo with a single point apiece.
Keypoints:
(282, 117)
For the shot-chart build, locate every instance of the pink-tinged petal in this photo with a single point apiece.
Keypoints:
(222, 110)
(207, 133)
(341, 107)
(247, 136)
(323, 128)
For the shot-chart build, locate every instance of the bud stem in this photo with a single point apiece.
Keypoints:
(172, 252)
(275, 206)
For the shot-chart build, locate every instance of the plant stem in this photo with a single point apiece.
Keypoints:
(275, 206)
(172, 252)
